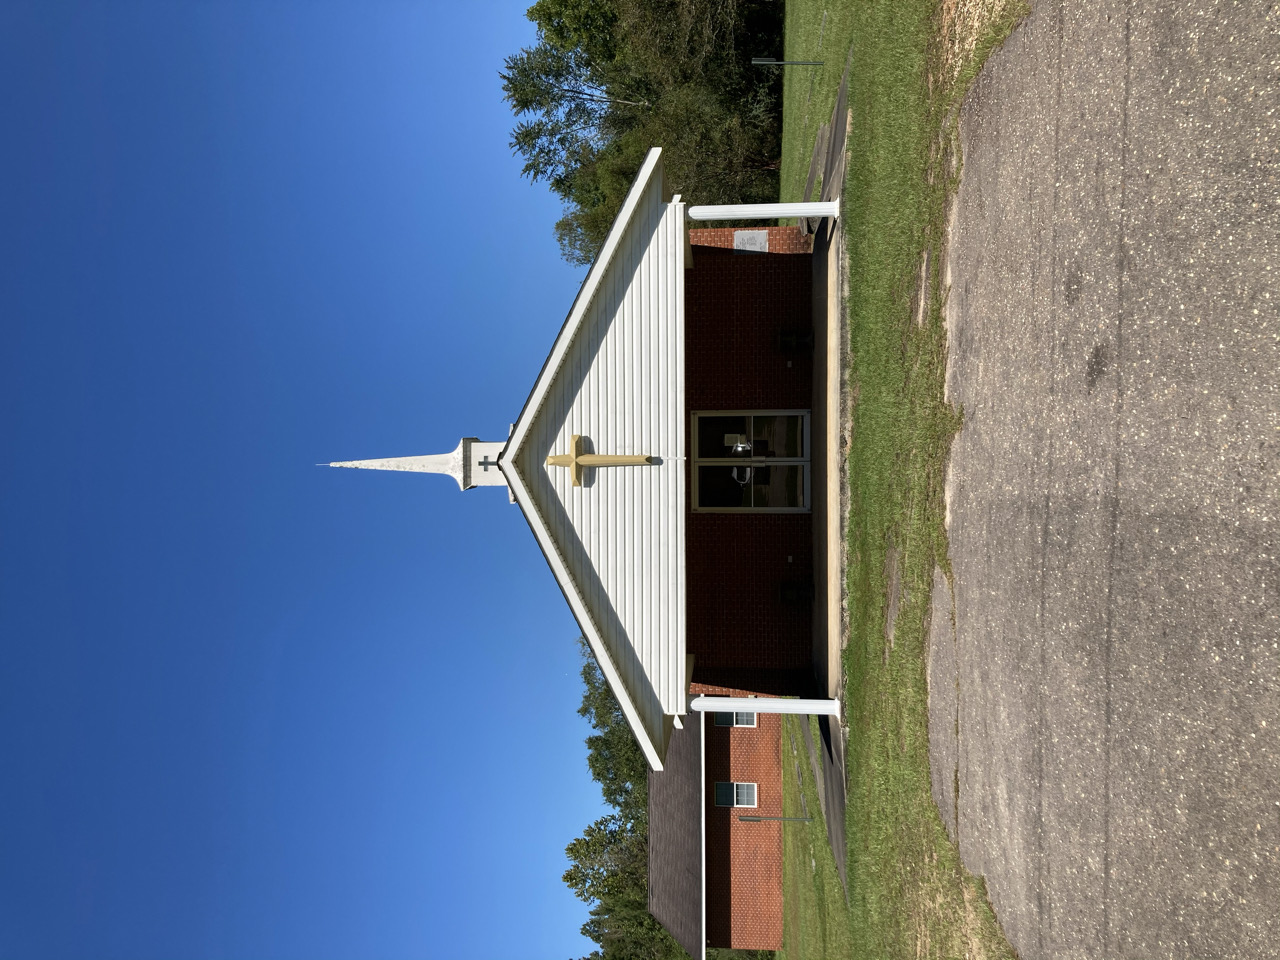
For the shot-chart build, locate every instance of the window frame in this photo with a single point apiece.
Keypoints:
(735, 784)
(806, 419)
(736, 718)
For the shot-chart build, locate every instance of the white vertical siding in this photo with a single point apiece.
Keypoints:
(616, 377)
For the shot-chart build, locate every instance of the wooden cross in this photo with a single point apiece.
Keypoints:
(578, 460)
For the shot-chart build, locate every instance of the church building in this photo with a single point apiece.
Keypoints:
(671, 463)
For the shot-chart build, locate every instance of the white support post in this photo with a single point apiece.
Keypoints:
(764, 211)
(828, 708)
(702, 827)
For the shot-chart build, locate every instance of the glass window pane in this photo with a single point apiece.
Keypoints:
(724, 719)
(724, 486)
(778, 436)
(744, 719)
(781, 485)
(718, 435)
(724, 795)
(745, 794)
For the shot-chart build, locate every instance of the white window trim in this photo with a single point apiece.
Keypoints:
(806, 461)
(755, 793)
(735, 718)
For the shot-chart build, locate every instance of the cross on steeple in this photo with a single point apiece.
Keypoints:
(579, 460)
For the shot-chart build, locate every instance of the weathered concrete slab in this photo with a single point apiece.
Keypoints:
(1113, 496)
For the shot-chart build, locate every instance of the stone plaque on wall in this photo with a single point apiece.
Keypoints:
(751, 241)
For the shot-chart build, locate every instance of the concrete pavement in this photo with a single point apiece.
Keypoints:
(1105, 714)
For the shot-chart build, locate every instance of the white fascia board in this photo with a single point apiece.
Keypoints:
(569, 587)
(580, 304)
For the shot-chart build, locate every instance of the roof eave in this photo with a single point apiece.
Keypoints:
(653, 751)
(586, 292)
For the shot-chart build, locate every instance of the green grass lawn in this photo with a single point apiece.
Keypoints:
(814, 31)
(908, 894)
(815, 919)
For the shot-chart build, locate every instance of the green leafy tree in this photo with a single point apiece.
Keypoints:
(608, 864)
(568, 103)
(610, 78)
(614, 757)
(586, 25)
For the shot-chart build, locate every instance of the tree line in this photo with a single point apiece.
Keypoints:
(608, 79)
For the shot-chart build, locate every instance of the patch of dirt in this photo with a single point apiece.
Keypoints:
(971, 926)
(920, 301)
(963, 24)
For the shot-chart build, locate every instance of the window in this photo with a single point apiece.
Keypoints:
(751, 461)
(735, 719)
(735, 794)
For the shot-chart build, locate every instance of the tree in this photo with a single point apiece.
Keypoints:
(603, 858)
(614, 757)
(609, 863)
(610, 78)
(569, 101)
(587, 25)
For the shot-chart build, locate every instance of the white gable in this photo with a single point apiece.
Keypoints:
(616, 377)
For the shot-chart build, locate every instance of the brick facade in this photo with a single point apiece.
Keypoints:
(744, 860)
(736, 305)
(749, 612)
(781, 239)
(749, 576)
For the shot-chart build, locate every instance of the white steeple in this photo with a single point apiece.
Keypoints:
(473, 464)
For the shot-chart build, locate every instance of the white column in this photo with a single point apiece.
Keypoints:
(702, 827)
(765, 211)
(830, 708)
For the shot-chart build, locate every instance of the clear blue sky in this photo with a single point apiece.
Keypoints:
(249, 707)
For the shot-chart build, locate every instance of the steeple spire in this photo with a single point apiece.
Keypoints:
(473, 464)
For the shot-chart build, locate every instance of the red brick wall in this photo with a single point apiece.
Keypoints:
(736, 304)
(741, 631)
(738, 623)
(781, 239)
(713, 690)
(744, 860)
